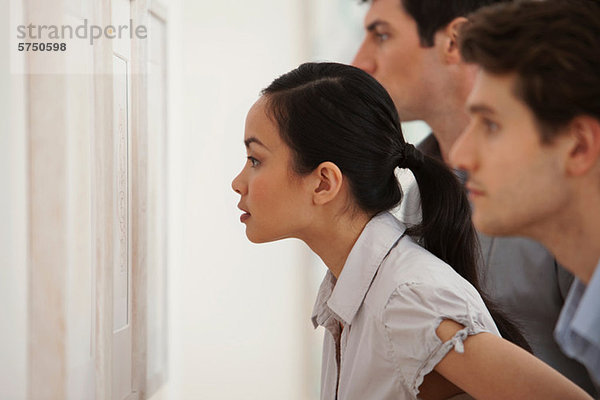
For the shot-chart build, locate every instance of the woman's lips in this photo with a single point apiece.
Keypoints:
(245, 214)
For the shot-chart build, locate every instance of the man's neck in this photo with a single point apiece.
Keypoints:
(447, 128)
(448, 117)
(573, 236)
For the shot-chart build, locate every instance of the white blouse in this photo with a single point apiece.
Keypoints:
(390, 297)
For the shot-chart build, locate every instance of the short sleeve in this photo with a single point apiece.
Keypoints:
(411, 317)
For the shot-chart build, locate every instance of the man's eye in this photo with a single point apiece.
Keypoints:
(381, 37)
(491, 126)
(253, 161)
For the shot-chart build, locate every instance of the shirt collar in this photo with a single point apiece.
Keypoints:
(584, 300)
(344, 297)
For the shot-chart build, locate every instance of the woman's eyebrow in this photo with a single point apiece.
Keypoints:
(254, 139)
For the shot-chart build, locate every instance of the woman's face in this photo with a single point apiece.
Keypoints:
(275, 201)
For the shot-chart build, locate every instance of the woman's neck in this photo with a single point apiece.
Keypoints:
(333, 238)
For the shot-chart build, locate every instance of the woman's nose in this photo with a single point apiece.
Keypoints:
(236, 184)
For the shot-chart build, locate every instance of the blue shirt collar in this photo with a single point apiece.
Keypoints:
(584, 301)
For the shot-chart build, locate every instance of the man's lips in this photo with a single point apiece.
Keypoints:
(474, 191)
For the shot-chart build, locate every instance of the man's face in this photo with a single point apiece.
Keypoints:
(516, 183)
(392, 53)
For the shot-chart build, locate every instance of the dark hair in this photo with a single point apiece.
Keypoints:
(553, 47)
(433, 15)
(339, 113)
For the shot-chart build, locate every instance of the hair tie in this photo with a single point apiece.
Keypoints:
(410, 157)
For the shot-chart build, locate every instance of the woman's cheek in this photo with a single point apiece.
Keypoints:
(260, 190)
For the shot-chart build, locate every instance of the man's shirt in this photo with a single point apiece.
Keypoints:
(578, 328)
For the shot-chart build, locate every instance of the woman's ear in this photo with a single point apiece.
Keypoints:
(584, 148)
(328, 182)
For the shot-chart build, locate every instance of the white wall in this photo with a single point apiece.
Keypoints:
(237, 312)
(13, 234)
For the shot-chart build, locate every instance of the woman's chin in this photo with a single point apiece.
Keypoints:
(257, 239)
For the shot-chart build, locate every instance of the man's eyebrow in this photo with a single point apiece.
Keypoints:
(373, 25)
(476, 108)
(254, 139)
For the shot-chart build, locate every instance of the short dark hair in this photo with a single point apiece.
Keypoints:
(339, 113)
(552, 46)
(433, 15)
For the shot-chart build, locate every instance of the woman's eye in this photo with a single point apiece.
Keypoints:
(253, 161)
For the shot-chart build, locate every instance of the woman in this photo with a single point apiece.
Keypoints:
(402, 320)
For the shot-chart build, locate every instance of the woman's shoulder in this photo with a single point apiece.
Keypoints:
(409, 263)
(410, 270)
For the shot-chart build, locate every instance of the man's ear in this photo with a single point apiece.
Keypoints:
(584, 149)
(328, 182)
(449, 40)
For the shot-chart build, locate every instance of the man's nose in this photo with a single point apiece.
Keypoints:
(462, 154)
(364, 59)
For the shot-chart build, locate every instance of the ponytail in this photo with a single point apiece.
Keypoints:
(446, 229)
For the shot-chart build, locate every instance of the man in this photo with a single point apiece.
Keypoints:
(532, 150)
(411, 47)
